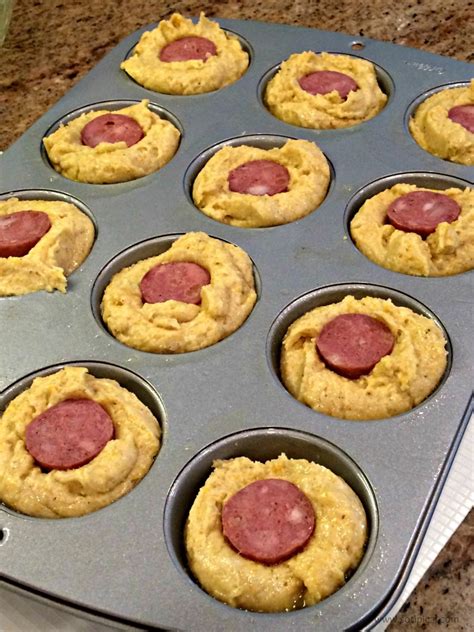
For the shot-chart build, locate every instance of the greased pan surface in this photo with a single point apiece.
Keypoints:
(125, 561)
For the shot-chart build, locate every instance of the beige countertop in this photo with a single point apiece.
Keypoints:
(52, 44)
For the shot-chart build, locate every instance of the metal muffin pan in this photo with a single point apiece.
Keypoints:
(125, 562)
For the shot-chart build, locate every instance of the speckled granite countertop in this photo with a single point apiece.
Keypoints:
(53, 43)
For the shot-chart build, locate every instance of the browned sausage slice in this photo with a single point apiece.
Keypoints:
(20, 231)
(325, 81)
(268, 521)
(69, 434)
(259, 177)
(187, 48)
(421, 211)
(178, 281)
(111, 128)
(464, 115)
(352, 344)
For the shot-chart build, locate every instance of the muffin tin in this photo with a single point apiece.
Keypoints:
(126, 562)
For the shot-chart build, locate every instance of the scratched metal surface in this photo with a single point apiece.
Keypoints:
(125, 562)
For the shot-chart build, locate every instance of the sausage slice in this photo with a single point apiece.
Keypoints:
(464, 115)
(421, 211)
(325, 81)
(178, 281)
(259, 177)
(22, 230)
(111, 128)
(268, 521)
(352, 344)
(69, 434)
(187, 48)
